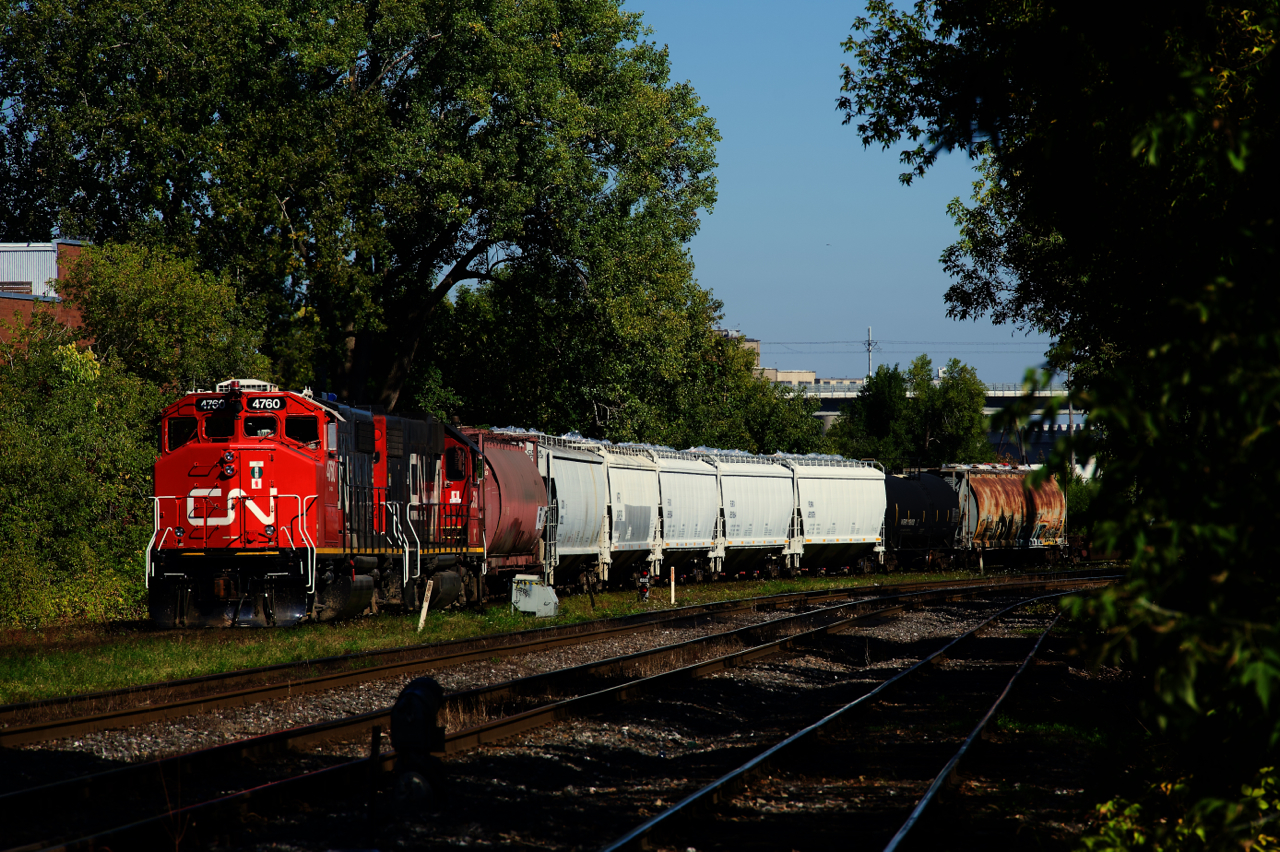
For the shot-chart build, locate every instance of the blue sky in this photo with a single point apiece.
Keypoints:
(813, 239)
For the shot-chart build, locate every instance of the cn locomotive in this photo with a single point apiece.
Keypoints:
(273, 507)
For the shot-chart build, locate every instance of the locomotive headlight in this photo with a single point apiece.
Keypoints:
(269, 529)
(179, 532)
(229, 471)
(228, 457)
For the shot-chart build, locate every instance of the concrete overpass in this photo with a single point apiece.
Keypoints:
(1035, 440)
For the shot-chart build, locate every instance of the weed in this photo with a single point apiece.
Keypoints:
(1054, 732)
(44, 663)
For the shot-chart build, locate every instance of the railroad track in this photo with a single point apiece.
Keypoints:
(58, 718)
(757, 642)
(791, 755)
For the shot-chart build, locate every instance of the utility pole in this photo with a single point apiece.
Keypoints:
(871, 346)
(1071, 426)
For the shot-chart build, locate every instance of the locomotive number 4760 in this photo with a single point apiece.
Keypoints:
(258, 403)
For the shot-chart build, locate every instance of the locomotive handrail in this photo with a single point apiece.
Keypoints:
(309, 568)
(155, 530)
(399, 534)
(152, 543)
(306, 538)
(417, 549)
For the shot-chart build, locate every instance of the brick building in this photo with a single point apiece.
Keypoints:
(29, 273)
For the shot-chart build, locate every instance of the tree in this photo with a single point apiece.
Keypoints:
(1129, 208)
(78, 429)
(904, 417)
(875, 424)
(77, 441)
(625, 363)
(947, 424)
(352, 163)
(162, 320)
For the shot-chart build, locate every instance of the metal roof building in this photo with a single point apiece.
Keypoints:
(29, 274)
(32, 269)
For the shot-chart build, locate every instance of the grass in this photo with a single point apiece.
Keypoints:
(1057, 733)
(77, 659)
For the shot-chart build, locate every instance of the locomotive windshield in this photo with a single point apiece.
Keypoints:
(259, 426)
(180, 430)
(219, 428)
(304, 428)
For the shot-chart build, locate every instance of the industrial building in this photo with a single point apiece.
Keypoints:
(29, 273)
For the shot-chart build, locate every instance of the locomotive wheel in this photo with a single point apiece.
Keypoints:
(471, 589)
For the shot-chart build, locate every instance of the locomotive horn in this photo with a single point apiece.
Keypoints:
(235, 403)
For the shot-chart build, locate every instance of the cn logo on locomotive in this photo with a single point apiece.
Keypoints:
(197, 499)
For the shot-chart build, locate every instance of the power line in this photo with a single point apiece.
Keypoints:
(899, 342)
(899, 352)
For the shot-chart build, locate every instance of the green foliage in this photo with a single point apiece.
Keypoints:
(907, 418)
(161, 319)
(77, 441)
(1167, 819)
(351, 163)
(1080, 493)
(1128, 208)
(78, 429)
(876, 424)
(947, 420)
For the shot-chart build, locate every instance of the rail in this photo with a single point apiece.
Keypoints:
(230, 689)
(756, 639)
(640, 836)
(944, 777)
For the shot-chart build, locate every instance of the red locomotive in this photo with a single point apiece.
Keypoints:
(275, 506)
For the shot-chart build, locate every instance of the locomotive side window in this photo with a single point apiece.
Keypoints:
(181, 430)
(259, 427)
(303, 428)
(219, 428)
(455, 461)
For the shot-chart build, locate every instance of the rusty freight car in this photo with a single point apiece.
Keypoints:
(1003, 517)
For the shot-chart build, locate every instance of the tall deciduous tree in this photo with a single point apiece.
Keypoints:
(876, 423)
(947, 423)
(1129, 207)
(618, 362)
(161, 319)
(352, 162)
(905, 417)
